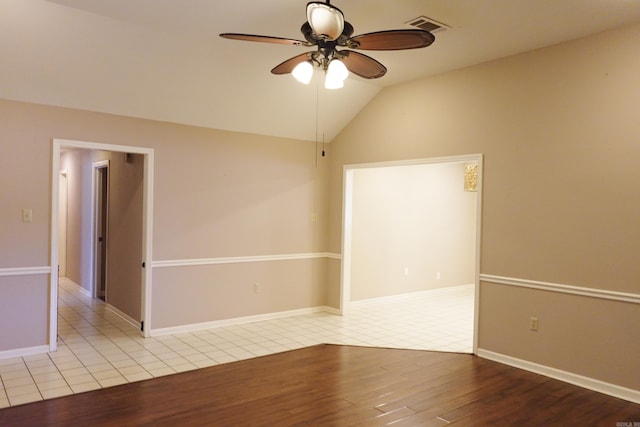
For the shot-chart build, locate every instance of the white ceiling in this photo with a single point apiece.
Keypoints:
(163, 59)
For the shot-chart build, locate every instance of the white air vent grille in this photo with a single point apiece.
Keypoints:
(428, 24)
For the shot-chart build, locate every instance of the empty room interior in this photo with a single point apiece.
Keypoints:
(175, 202)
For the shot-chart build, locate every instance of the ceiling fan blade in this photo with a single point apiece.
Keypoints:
(392, 40)
(264, 39)
(362, 65)
(287, 66)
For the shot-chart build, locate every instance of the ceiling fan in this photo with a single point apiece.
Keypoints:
(326, 29)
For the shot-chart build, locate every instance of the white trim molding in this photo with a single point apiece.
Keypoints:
(78, 288)
(124, 316)
(21, 352)
(565, 289)
(419, 161)
(568, 377)
(193, 327)
(240, 259)
(24, 271)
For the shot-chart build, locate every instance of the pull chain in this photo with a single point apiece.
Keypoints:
(322, 144)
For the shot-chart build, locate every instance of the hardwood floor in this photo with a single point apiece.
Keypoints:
(329, 385)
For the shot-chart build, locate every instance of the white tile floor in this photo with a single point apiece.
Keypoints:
(97, 349)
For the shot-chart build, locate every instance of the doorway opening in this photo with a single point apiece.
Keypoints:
(100, 197)
(410, 229)
(91, 247)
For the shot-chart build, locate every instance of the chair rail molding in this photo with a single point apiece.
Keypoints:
(24, 271)
(560, 288)
(241, 259)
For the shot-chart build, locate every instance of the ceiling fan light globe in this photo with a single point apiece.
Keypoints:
(303, 72)
(325, 20)
(337, 70)
(336, 74)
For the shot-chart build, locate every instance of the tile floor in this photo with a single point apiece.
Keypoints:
(97, 349)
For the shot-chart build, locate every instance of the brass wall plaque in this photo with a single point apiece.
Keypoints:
(471, 178)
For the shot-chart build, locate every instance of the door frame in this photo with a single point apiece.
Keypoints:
(63, 173)
(147, 227)
(347, 225)
(95, 166)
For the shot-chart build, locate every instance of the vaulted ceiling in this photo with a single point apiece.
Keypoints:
(163, 59)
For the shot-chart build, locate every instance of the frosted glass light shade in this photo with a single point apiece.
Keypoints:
(337, 73)
(325, 20)
(303, 72)
(338, 69)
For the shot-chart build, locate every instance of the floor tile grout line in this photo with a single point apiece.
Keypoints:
(106, 357)
(83, 364)
(4, 390)
(33, 380)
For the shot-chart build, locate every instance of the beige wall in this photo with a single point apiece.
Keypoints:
(216, 194)
(595, 338)
(226, 291)
(25, 179)
(124, 244)
(79, 251)
(409, 224)
(23, 312)
(559, 131)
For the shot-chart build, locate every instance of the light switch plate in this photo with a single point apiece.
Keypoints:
(27, 215)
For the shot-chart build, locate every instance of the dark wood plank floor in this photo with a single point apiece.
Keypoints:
(329, 385)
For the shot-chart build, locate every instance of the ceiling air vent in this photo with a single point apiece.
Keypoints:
(428, 24)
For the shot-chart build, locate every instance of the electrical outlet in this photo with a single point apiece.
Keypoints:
(533, 324)
(314, 217)
(438, 275)
(256, 288)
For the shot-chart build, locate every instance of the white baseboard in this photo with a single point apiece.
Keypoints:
(123, 316)
(78, 288)
(21, 352)
(568, 377)
(330, 310)
(403, 297)
(239, 321)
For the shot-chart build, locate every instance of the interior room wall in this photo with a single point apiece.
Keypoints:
(217, 195)
(20, 328)
(78, 224)
(124, 245)
(413, 229)
(559, 132)
(24, 246)
(223, 291)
